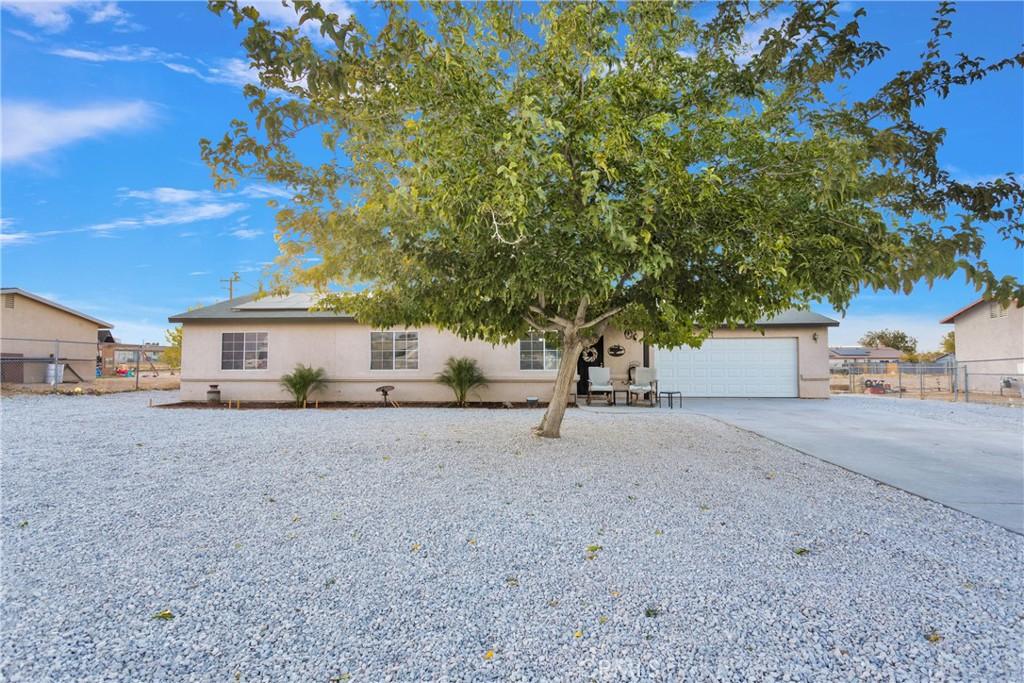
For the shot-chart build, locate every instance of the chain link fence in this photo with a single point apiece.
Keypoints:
(979, 382)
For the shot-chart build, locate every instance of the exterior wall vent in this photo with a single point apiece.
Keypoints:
(8, 301)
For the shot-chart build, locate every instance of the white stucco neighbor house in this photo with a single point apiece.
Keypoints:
(246, 344)
(989, 344)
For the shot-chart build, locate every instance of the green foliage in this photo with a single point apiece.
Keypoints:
(302, 381)
(172, 356)
(461, 375)
(894, 339)
(164, 615)
(948, 343)
(494, 169)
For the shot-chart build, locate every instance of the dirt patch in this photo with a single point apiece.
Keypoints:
(100, 385)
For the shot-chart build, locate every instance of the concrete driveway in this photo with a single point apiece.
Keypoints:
(970, 458)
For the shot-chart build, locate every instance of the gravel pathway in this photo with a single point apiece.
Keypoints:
(416, 544)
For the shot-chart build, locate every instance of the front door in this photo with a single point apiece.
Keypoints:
(596, 354)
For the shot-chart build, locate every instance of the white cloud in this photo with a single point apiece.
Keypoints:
(282, 14)
(182, 214)
(233, 71)
(198, 273)
(31, 129)
(167, 195)
(24, 35)
(12, 238)
(117, 53)
(56, 16)
(246, 233)
(265, 192)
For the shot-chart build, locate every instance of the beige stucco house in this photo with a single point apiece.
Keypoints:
(245, 345)
(989, 344)
(33, 330)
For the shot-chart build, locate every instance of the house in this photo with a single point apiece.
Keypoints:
(35, 330)
(116, 357)
(245, 345)
(989, 344)
(844, 356)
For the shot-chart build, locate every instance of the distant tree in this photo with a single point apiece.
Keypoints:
(172, 356)
(948, 343)
(894, 339)
(921, 357)
(500, 168)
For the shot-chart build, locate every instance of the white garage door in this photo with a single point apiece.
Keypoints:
(730, 367)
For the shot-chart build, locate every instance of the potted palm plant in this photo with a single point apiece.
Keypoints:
(462, 375)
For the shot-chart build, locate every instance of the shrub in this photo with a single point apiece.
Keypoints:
(461, 375)
(302, 381)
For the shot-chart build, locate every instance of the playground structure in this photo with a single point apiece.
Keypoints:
(950, 382)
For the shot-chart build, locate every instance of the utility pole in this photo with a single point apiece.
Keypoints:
(231, 284)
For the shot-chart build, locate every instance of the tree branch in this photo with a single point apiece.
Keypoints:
(537, 326)
(581, 310)
(558, 320)
(601, 318)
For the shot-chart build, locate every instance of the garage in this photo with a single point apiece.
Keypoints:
(754, 368)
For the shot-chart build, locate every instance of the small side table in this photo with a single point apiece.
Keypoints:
(615, 396)
(670, 395)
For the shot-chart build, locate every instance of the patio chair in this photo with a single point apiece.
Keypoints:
(599, 380)
(645, 381)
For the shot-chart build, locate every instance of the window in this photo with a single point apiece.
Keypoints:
(394, 350)
(535, 354)
(996, 310)
(243, 351)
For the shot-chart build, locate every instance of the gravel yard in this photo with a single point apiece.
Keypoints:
(433, 544)
(974, 414)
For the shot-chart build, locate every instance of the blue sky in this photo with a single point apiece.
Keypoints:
(107, 207)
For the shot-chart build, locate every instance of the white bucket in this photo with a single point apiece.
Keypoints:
(54, 373)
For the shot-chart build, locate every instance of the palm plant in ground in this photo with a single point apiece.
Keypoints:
(461, 375)
(302, 381)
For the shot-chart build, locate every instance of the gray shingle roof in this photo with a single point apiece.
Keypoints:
(797, 318)
(295, 306)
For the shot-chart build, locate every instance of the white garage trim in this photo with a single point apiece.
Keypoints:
(759, 368)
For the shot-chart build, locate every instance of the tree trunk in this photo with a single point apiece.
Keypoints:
(551, 425)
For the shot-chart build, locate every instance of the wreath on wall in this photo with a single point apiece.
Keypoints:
(589, 354)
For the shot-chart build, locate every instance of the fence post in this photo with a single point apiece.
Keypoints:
(138, 356)
(920, 383)
(899, 380)
(967, 387)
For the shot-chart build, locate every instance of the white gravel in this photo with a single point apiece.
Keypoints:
(980, 415)
(414, 544)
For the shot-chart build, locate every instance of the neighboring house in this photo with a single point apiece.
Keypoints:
(989, 344)
(113, 355)
(33, 330)
(844, 356)
(245, 345)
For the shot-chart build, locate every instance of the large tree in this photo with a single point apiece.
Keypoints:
(494, 169)
(893, 339)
